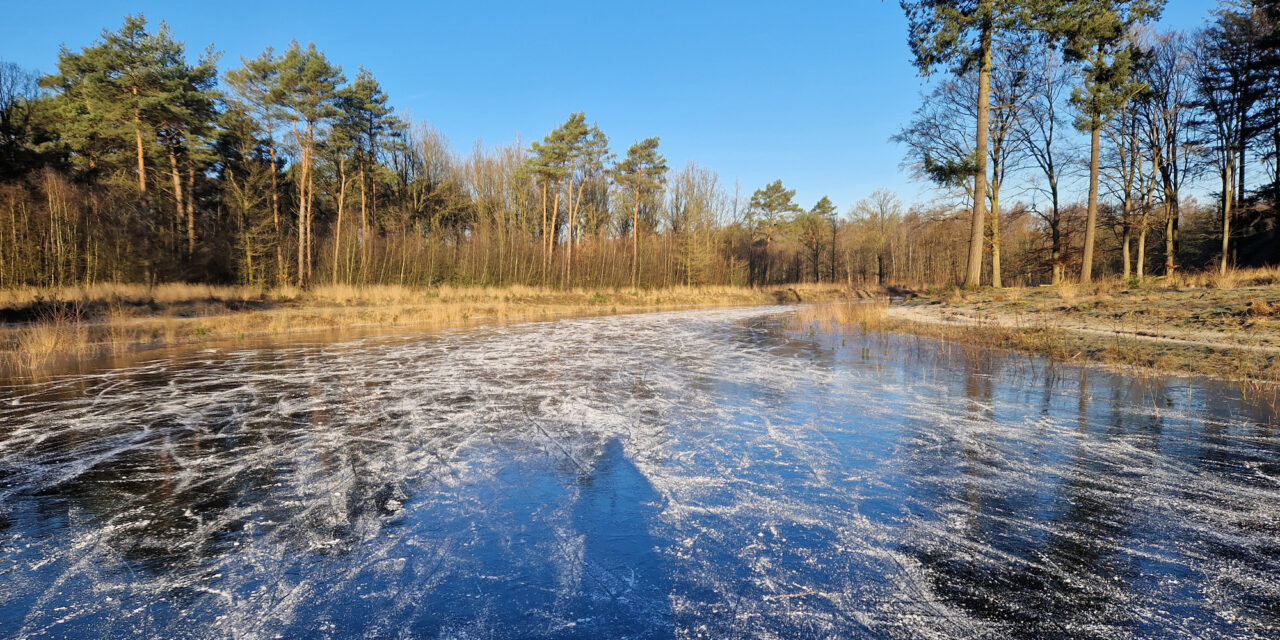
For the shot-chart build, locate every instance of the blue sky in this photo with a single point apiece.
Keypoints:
(808, 92)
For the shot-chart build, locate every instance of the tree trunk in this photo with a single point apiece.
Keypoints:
(1126, 235)
(544, 231)
(1055, 250)
(574, 205)
(973, 277)
(635, 242)
(191, 207)
(833, 252)
(554, 229)
(310, 197)
(364, 225)
(996, 281)
(1091, 218)
(1226, 216)
(337, 230)
(281, 273)
(302, 215)
(177, 181)
(142, 164)
(1240, 165)
(1142, 253)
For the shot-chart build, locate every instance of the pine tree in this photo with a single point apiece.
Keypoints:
(961, 34)
(245, 170)
(183, 123)
(133, 84)
(588, 155)
(256, 85)
(1094, 34)
(1232, 80)
(368, 121)
(642, 172)
(308, 88)
(768, 210)
(549, 164)
(826, 209)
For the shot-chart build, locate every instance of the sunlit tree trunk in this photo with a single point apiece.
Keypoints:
(1091, 217)
(178, 202)
(337, 228)
(191, 207)
(973, 275)
(281, 272)
(1227, 183)
(635, 242)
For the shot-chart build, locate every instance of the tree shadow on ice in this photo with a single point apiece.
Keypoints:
(624, 589)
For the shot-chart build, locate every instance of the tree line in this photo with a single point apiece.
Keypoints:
(138, 161)
(1041, 95)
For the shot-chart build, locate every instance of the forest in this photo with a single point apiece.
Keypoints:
(1062, 141)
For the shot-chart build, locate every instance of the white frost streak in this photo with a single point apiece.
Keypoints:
(800, 492)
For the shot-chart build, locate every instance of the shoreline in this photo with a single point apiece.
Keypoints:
(1229, 334)
(85, 326)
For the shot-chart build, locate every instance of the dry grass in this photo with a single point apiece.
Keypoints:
(131, 293)
(841, 317)
(1232, 279)
(46, 327)
(955, 296)
(1261, 308)
(49, 340)
(1203, 323)
(1229, 279)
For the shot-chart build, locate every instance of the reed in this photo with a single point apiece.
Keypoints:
(69, 324)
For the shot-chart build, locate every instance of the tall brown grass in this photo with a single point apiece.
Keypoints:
(56, 335)
(843, 317)
(1231, 279)
(129, 316)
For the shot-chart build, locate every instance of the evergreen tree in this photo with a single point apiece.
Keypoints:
(642, 173)
(183, 124)
(549, 163)
(588, 156)
(368, 121)
(256, 85)
(308, 88)
(131, 84)
(961, 35)
(826, 210)
(1232, 81)
(245, 171)
(1095, 35)
(767, 212)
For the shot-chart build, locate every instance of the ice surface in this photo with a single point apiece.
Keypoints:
(705, 474)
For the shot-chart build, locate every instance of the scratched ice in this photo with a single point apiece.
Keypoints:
(707, 474)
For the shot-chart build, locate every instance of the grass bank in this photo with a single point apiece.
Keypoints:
(1204, 324)
(40, 328)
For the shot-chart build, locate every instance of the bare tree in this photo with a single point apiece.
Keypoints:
(1041, 132)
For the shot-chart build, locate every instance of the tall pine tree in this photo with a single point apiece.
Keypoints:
(642, 173)
(1095, 35)
(961, 35)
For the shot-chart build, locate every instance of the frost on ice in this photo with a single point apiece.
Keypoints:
(690, 474)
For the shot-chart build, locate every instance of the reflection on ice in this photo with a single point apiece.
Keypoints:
(689, 474)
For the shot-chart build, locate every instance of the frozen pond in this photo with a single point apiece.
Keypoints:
(705, 474)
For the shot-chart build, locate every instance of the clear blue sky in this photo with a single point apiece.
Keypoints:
(808, 92)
